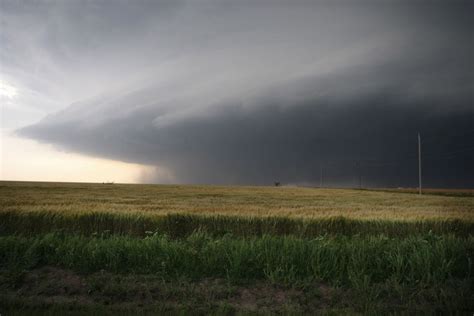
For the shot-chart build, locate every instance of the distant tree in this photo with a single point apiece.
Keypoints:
(277, 183)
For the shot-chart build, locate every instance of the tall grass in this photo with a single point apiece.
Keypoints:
(181, 225)
(352, 261)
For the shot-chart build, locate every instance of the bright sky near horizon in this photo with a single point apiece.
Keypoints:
(28, 160)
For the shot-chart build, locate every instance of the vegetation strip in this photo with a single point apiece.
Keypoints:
(338, 260)
(182, 225)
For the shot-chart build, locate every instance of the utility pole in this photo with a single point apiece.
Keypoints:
(360, 175)
(419, 163)
(321, 176)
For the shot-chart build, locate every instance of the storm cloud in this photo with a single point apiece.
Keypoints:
(255, 92)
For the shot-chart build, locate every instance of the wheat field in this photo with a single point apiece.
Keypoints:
(101, 248)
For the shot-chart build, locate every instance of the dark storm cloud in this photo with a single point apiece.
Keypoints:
(259, 93)
(286, 138)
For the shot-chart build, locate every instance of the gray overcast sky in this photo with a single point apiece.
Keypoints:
(247, 92)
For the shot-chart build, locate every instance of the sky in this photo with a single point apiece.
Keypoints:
(238, 92)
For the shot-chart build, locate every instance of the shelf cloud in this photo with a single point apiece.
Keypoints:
(251, 92)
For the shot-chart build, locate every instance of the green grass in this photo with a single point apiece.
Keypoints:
(182, 225)
(337, 260)
(374, 270)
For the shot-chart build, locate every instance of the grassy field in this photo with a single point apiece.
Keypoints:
(226, 250)
(219, 200)
(445, 192)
